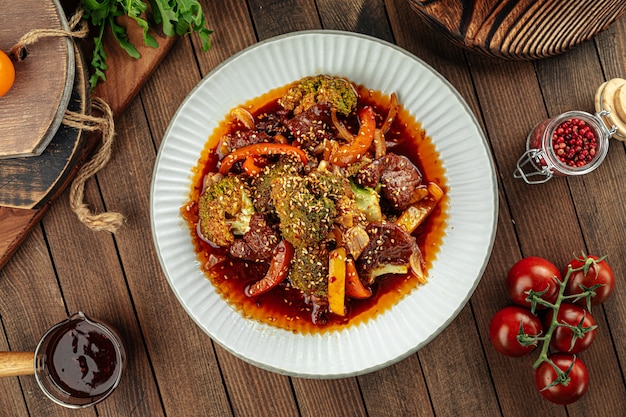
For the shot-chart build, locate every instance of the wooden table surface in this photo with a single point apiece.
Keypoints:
(174, 369)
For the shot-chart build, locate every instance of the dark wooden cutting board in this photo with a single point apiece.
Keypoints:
(519, 29)
(125, 77)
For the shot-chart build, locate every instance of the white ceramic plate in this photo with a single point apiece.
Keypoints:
(470, 230)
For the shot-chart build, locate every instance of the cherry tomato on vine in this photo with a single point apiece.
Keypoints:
(7, 73)
(533, 274)
(570, 386)
(572, 340)
(599, 277)
(504, 331)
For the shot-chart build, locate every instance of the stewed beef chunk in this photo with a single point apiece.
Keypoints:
(258, 243)
(397, 175)
(369, 176)
(272, 123)
(247, 137)
(389, 245)
(312, 126)
(399, 179)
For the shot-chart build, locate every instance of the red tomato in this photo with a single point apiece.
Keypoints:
(504, 330)
(570, 386)
(572, 339)
(533, 274)
(599, 278)
(7, 73)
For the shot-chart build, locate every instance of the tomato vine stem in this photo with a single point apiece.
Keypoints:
(587, 293)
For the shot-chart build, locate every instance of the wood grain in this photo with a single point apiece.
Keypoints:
(31, 111)
(519, 29)
(177, 370)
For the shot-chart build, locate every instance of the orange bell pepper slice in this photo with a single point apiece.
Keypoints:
(254, 165)
(352, 152)
(354, 286)
(259, 149)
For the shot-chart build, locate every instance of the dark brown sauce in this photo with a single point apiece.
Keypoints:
(82, 360)
(284, 306)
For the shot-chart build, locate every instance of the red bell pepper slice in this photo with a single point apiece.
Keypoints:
(277, 272)
(258, 149)
(352, 152)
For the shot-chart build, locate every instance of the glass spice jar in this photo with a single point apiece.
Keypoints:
(572, 143)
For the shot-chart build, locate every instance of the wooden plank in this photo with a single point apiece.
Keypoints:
(508, 117)
(398, 390)
(511, 118)
(611, 47)
(319, 397)
(458, 349)
(171, 337)
(283, 17)
(361, 16)
(99, 287)
(254, 391)
(572, 87)
(513, 29)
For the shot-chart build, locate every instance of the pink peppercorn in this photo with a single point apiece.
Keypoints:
(574, 142)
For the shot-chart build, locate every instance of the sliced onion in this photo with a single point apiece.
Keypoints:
(210, 179)
(243, 116)
(344, 133)
(416, 262)
(391, 115)
(355, 240)
(379, 144)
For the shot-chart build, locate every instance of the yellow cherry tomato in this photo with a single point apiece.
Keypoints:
(7, 73)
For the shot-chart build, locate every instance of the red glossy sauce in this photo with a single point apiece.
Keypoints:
(83, 361)
(284, 307)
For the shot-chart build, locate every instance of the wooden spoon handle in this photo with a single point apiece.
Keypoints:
(17, 363)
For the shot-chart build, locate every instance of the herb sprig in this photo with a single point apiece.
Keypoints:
(176, 17)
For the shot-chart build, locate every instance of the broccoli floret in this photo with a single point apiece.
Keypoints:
(338, 92)
(309, 206)
(305, 217)
(368, 200)
(262, 187)
(325, 183)
(225, 209)
(309, 269)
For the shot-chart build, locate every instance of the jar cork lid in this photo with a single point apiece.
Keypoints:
(610, 102)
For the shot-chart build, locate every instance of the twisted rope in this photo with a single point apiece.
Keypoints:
(19, 50)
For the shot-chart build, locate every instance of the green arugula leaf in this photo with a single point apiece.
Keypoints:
(176, 17)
